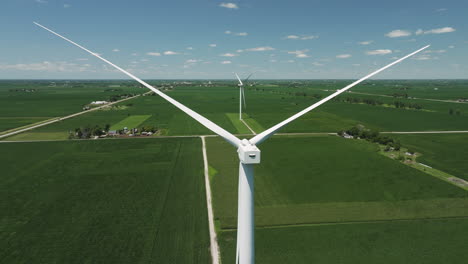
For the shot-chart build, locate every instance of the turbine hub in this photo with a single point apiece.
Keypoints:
(248, 153)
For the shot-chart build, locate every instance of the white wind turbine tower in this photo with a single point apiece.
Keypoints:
(242, 94)
(248, 152)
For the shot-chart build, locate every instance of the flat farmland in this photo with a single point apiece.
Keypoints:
(109, 201)
(27, 102)
(414, 241)
(320, 180)
(266, 106)
(446, 152)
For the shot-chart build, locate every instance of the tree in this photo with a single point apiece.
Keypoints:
(107, 127)
(450, 111)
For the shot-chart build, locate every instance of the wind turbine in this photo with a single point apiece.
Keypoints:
(242, 94)
(249, 154)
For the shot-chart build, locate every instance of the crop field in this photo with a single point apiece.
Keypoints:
(266, 106)
(130, 122)
(446, 152)
(109, 201)
(322, 180)
(26, 102)
(414, 241)
(318, 198)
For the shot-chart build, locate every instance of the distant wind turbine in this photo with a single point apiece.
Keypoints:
(247, 150)
(242, 94)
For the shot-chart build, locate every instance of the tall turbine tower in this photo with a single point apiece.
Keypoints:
(242, 94)
(247, 150)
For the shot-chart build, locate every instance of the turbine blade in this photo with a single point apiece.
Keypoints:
(248, 77)
(202, 120)
(243, 97)
(240, 82)
(269, 132)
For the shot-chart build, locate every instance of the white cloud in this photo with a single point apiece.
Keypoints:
(273, 61)
(300, 53)
(441, 9)
(343, 56)
(66, 6)
(169, 52)
(190, 48)
(379, 52)
(241, 34)
(136, 54)
(228, 55)
(451, 46)
(41, 1)
(398, 33)
(212, 45)
(291, 61)
(226, 62)
(266, 48)
(115, 50)
(424, 57)
(435, 51)
(435, 31)
(239, 50)
(143, 60)
(151, 54)
(301, 37)
(82, 59)
(227, 32)
(317, 63)
(46, 66)
(229, 5)
(192, 61)
(366, 42)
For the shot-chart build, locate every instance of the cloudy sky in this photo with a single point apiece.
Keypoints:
(211, 39)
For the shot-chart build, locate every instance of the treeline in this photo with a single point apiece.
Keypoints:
(369, 101)
(361, 132)
(117, 97)
(399, 104)
(454, 112)
(89, 131)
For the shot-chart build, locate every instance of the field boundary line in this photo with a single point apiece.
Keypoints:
(213, 239)
(352, 222)
(251, 130)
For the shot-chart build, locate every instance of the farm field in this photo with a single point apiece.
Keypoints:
(27, 102)
(326, 179)
(446, 152)
(415, 241)
(268, 105)
(109, 201)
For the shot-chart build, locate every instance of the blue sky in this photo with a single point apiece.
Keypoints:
(210, 39)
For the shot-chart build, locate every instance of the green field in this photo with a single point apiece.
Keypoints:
(445, 152)
(320, 180)
(416, 241)
(267, 105)
(130, 122)
(109, 201)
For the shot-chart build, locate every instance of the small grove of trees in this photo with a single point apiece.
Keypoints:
(456, 112)
(151, 129)
(88, 132)
(360, 131)
(117, 97)
(399, 104)
(355, 100)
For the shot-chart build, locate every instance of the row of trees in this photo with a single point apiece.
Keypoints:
(117, 97)
(399, 104)
(89, 131)
(360, 131)
(456, 112)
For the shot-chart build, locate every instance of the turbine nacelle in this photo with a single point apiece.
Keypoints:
(248, 153)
